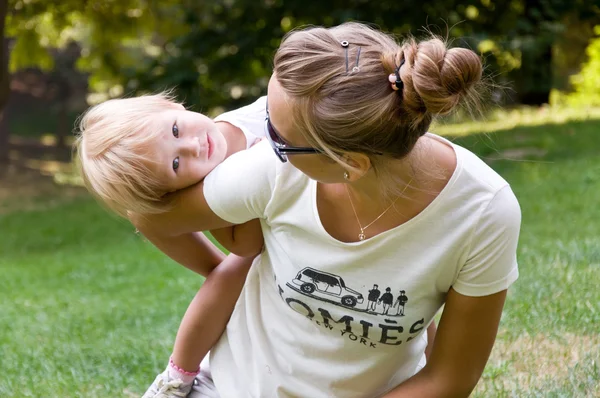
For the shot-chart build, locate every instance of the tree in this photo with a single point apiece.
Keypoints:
(224, 56)
(113, 35)
(587, 81)
(4, 84)
(218, 53)
(526, 32)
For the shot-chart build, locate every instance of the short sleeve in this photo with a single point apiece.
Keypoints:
(240, 188)
(491, 265)
(250, 119)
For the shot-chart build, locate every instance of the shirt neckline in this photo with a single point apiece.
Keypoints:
(402, 228)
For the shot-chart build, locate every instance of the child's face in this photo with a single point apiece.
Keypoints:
(188, 149)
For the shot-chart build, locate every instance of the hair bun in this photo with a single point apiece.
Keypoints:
(442, 77)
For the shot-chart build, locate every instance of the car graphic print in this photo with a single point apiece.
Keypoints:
(331, 288)
(319, 284)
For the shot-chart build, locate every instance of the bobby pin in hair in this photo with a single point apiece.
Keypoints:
(345, 44)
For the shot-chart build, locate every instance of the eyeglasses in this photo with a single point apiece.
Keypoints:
(280, 146)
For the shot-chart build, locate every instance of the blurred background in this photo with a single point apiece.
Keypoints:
(90, 308)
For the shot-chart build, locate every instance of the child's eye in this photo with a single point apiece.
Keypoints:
(176, 163)
(176, 131)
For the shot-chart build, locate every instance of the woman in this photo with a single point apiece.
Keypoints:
(358, 194)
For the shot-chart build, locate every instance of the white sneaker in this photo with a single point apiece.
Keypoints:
(164, 387)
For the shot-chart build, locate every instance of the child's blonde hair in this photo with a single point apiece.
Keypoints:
(113, 152)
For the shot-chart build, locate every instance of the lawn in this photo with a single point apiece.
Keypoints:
(89, 309)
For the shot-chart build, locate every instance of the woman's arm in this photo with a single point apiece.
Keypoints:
(461, 348)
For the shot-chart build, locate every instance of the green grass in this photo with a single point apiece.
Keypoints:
(89, 309)
(556, 299)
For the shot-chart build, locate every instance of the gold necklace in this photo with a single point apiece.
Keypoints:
(361, 235)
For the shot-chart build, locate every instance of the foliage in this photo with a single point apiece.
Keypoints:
(587, 82)
(217, 65)
(107, 31)
(218, 53)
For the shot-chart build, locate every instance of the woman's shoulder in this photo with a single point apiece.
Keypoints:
(474, 184)
(473, 171)
(486, 188)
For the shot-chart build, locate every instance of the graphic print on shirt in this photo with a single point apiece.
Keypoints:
(331, 288)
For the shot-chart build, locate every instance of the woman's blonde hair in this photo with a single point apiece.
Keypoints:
(344, 102)
(112, 149)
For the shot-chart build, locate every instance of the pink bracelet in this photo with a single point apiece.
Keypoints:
(183, 372)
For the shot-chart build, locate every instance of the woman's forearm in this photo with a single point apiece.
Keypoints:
(461, 348)
(425, 384)
(420, 385)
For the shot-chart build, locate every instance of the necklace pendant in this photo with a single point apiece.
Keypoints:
(361, 236)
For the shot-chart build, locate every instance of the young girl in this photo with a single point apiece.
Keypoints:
(132, 154)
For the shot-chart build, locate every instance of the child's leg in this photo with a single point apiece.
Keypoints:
(208, 313)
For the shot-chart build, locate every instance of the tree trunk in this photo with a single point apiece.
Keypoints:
(4, 87)
(62, 97)
(536, 76)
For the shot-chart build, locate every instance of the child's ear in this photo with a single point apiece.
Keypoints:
(181, 107)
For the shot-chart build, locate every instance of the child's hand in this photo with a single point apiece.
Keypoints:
(244, 240)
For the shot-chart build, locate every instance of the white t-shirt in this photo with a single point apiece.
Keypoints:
(321, 318)
(250, 119)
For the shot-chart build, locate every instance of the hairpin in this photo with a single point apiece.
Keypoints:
(345, 44)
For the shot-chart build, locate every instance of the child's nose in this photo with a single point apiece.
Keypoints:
(192, 147)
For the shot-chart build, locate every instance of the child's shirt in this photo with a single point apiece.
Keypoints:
(250, 119)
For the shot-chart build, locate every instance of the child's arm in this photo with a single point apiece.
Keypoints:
(197, 253)
(245, 240)
(194, 251)
(208, 313)
(201, 327)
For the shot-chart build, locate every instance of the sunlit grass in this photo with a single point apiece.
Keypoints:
(549, 345)
(509, 118)
(89, 309)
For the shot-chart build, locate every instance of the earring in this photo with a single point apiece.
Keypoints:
(346, 176)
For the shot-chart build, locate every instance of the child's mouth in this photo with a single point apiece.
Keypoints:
(209, 142)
